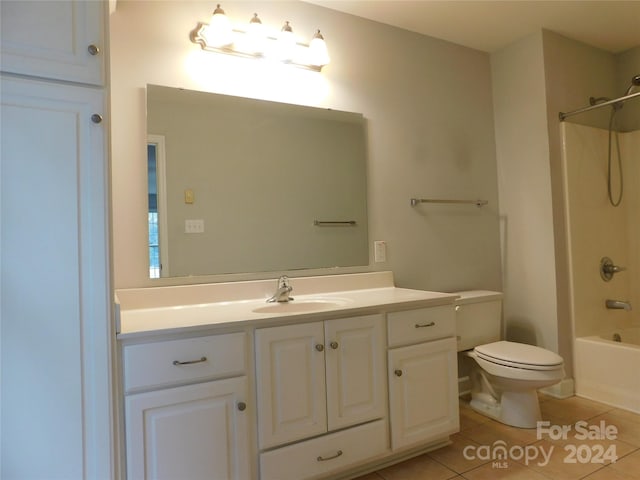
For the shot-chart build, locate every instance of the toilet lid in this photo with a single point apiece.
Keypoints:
(519, 355)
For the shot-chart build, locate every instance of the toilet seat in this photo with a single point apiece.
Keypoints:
(519, 355)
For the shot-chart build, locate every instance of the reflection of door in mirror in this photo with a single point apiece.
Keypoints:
(158, 261)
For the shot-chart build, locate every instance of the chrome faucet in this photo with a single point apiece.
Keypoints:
(283, 291)
(608, 269)
(617, 304)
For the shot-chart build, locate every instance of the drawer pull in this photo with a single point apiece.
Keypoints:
(190, 362)
(422, 325)
(398, 372)
(324, 459)
(242, 406)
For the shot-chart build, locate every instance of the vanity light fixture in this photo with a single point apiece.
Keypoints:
(254, 42)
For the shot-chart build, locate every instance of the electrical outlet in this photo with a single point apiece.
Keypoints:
(194, 226)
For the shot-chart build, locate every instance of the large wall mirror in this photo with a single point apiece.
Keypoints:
(238, 185)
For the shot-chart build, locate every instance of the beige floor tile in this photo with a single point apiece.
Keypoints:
(453, 456)
(628, 428)
(370, 476)
(478, 430)
(625, 415)
(470, 418)
(570, 410)
(607, 473)
(418, 468)
(628, 465)
(514, 471)
(492, 431)
(561, 463)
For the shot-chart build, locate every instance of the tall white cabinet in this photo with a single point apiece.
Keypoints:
(55, 330)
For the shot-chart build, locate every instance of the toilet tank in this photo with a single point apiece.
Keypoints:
(478, 318)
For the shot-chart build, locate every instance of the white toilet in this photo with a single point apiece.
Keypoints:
(504, 375)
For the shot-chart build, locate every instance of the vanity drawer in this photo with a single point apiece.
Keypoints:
(324, 455)
(414, 326)
(166, 363)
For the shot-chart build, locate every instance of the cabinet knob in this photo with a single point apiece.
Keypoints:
(93, 49)
(96, 118)
(242, 406)
(398, 372)
(319, 347)
(334, 345)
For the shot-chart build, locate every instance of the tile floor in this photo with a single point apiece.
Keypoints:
(570, 458)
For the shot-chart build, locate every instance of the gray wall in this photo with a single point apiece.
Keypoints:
(533, 80)
(428, 107)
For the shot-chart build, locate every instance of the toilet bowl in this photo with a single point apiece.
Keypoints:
(504, 375)
(505, 378)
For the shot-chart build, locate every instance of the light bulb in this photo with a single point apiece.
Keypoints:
(318, 54)
(286, 43)
(255, 35)
(219, 32)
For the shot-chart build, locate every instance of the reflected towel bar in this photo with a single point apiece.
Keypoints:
(477, 203)
(329, 223)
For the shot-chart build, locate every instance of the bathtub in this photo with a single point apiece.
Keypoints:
(607, 370)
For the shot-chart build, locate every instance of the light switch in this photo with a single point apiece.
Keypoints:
(188, 196)
(194, 226)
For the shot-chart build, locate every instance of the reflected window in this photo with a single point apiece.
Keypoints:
(154, 244)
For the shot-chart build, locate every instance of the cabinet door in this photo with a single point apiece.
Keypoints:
(51, 39)
(192, 432)
(54, 285)
(356, 378)
(291, 383)
(423, 392)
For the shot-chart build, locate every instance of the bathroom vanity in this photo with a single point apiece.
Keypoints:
(351, 375)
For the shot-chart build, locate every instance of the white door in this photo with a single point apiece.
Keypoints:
(356, 374)
(193, 432)
(290, 383)
(54, 286)
(54, 39)
(423, 392)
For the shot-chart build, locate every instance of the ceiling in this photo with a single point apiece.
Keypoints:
(613, 26)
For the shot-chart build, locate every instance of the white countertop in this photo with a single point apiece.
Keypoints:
(182, 318)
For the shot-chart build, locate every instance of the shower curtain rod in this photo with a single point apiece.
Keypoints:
(563, 115)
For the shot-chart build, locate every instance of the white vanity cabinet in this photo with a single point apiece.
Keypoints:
(423, 377)
(319, 383)
(195, 431)
(315, 378)
(62, 40)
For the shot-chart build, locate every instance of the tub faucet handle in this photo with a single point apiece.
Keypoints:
(608, 268)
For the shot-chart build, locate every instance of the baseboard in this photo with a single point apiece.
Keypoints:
(564, 389)
(464, 386)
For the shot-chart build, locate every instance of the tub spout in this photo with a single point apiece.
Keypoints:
(617, 304)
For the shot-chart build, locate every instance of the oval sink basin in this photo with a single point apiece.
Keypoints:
(300, 306)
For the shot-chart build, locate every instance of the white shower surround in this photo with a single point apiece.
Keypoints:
(604, 370)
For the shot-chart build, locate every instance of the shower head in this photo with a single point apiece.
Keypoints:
(635, 82)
